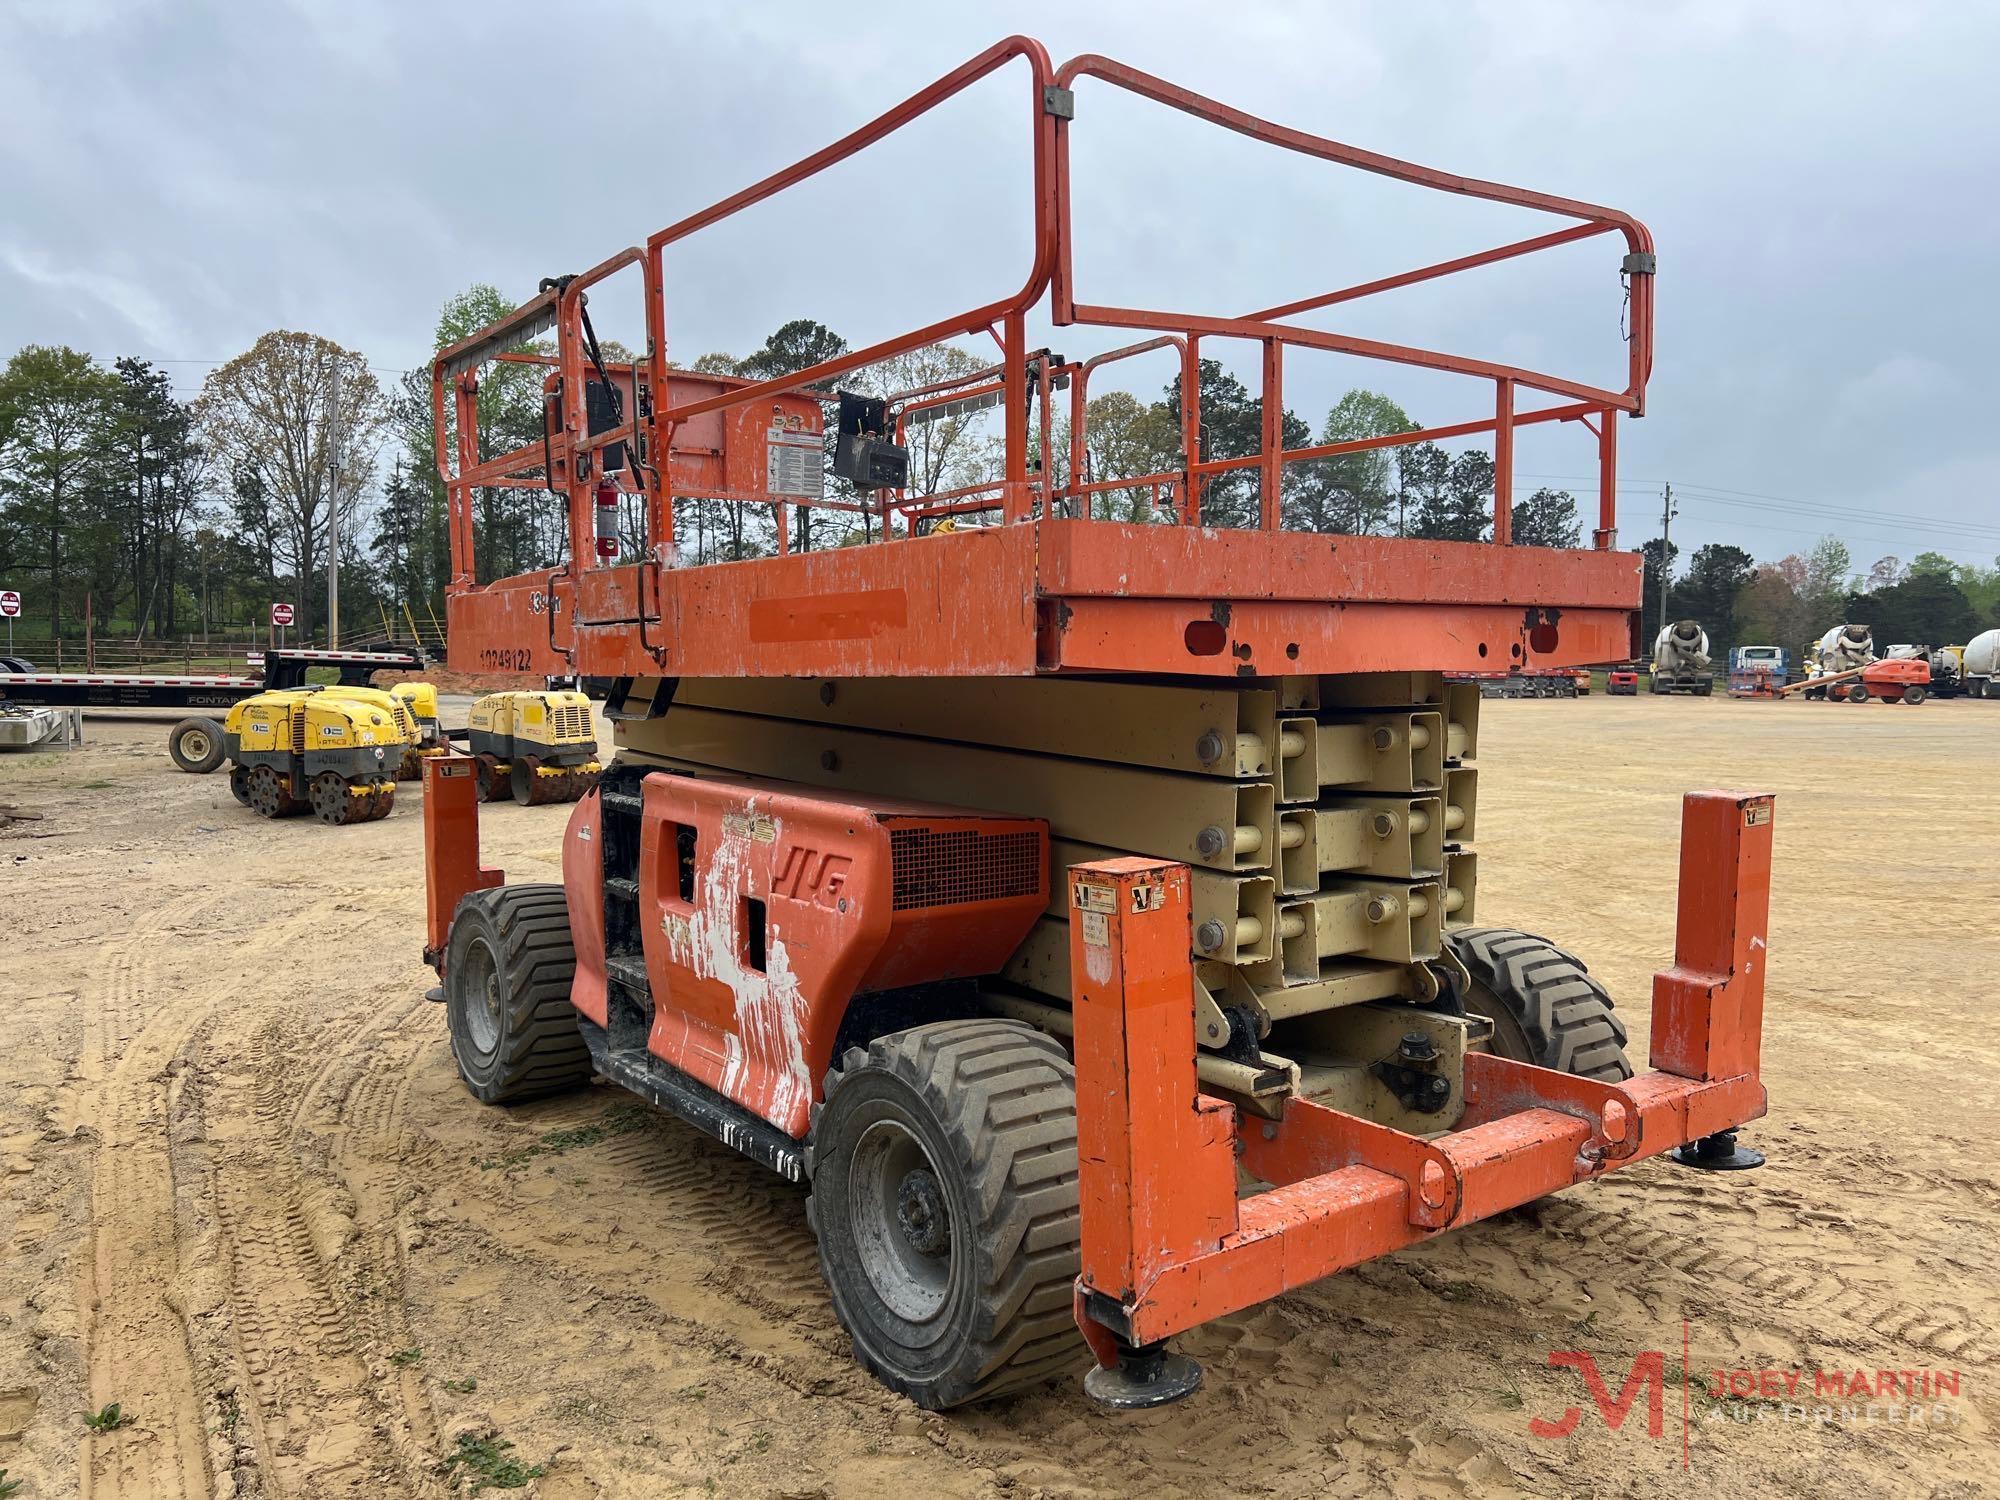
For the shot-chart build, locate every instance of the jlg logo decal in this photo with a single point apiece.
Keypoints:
(808, 875)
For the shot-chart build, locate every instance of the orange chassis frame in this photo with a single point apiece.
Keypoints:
(1167, 1244)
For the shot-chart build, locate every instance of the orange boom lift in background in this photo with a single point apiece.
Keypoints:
(1023, 883)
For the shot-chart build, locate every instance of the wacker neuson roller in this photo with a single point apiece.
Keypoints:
(1023, 886)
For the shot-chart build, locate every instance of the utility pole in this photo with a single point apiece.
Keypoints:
(1667, 514)
(333, 510)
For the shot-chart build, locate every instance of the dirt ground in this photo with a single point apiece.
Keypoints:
(243, 1196)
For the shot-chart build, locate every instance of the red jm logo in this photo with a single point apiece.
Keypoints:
(1649, 1373)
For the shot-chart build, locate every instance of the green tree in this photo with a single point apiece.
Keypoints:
(54, 406)
(1125, 438)
(1547, 518)
(1354, 493)
(1766, 611)
(1453, 493)
(1707, 592)
(1657, 557)
(1924, 608)
(794, 346)
(156, 474)
(274, 410)
(1232, 426)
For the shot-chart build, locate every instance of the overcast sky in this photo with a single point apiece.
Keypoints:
(1821, 177)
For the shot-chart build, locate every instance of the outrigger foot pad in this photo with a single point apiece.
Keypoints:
(1719, 1153)
(1152, 1375)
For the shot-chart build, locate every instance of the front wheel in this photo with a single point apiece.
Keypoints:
(507, 972)
(944, 1199)
(1544, 1006)
(1914, 694)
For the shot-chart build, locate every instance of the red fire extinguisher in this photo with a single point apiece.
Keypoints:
(607, 519)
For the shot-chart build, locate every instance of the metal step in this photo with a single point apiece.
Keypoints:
(662, 1084)
(630, 972)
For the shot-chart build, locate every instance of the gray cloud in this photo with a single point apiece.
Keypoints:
(176, 179)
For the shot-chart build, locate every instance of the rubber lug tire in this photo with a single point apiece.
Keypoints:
(1545, 1007)
(201, 732)
(993, 1104)
(538, 1049)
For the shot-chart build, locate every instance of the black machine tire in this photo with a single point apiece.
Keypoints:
(1857, 692)
(327, 794)
(507, 971)
(494, 782)
(944, 1199)
(239, 784)
(269, 795)
(196, 745)
(521, 779)
(1705, 688)
(1914, 694)
(1545, 1007)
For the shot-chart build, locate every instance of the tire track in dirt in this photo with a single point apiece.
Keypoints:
(1849, 1309)
(137, 1344)
(330, 1415)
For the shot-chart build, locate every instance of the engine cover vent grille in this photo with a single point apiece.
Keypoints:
(961, 866)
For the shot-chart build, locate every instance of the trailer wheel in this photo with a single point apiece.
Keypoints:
(508, 966)
(1545, 1007)
(944, 1198)
(196, 745)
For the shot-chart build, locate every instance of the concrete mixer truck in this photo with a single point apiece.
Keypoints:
(1979, 666)
(1841, 649)
(1680, 660)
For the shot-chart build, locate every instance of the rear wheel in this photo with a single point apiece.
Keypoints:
(270, 793)
(944, 1198)
(196, 745)
(1857, 694)
(508, 966)
(1545, 1007)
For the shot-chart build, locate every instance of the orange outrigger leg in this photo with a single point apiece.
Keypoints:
(1167, 1244)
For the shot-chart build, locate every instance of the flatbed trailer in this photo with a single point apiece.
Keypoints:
(204, 697)
(1212, 798)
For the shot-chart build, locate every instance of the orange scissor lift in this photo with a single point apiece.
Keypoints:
(1043, 588)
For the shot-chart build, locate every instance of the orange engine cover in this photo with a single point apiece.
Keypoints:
(764, 907)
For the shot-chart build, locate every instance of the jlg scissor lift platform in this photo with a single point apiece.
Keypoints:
(1025, 885)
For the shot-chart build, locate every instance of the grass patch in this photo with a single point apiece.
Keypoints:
(9, 1486)
(1509, 1394)
(404, 1358)
(490, 1464)
(99, 785)
(463, 1387)
(621, 1119)
(109, 1419)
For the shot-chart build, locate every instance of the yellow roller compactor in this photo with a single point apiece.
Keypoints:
(333, 750)
(536, 747)
(421, 700)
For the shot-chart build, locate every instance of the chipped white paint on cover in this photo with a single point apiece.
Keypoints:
(769, 1006)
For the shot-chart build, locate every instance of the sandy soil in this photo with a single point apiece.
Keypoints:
(242, 1193)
